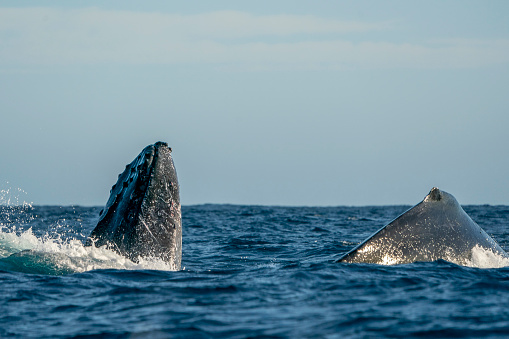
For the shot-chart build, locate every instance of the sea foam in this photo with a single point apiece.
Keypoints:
(25, 251)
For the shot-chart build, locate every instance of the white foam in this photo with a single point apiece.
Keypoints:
(72, 255)
(486, 258)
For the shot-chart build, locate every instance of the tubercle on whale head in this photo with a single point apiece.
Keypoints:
(162, 144)
(434, 195)
(442, 198)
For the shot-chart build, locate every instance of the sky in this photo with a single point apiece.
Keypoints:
(296, 103)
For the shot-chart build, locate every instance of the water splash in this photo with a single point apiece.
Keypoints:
(14, 208)
(22, 250)
(486, 258)
(25, 252)
(14, 197)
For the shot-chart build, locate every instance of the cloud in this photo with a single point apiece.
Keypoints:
(226, 38)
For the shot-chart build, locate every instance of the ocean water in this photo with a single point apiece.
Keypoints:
(247, 272)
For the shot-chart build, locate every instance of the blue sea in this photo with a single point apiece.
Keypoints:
(247, 272)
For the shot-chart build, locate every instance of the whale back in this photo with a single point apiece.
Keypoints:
(436, 228)
(142, 217)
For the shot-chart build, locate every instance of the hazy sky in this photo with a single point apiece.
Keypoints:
(263, 102)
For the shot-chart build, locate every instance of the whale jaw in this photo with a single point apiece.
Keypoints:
(436, 228)
(142, 217)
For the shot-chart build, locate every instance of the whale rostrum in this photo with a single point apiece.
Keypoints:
(436, 228)
(142, 218)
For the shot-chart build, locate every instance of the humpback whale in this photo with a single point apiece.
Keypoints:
(142, 217)
(436, 228)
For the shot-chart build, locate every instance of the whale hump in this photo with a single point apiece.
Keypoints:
(436, 228)
(142, 217)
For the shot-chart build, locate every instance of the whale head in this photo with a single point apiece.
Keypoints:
(142, 217)
(436, 228)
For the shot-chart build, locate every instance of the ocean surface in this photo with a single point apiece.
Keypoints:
(247, 272)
